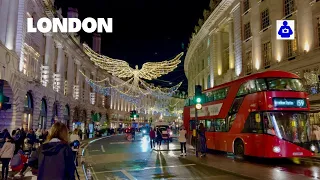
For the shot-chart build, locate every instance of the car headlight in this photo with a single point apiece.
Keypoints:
(276, 149)
(313, 148)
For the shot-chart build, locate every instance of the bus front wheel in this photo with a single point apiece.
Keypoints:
(239, 149)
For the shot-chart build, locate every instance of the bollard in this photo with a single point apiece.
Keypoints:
(89, 176)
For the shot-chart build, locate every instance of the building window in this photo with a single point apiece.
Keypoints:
(265, 22)
(266, 54)
(318, 28)
(288, 7)
(246, 5)
(249, 62)
(247, 31)
(292, 47)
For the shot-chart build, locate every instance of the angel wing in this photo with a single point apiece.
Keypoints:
(118, 68)
(153, 70)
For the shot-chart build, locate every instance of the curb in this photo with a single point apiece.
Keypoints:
(166, 149)
(83, 151)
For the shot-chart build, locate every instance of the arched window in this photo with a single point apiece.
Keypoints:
(43, 114)
(28, 110)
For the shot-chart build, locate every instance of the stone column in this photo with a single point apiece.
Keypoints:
(46, 69)
(71, 74)
(231, 45)
(86, 87)
(12, 24)
(60, 68)
(213, 59)
(237, 25)
(4, 11)
(219, 52)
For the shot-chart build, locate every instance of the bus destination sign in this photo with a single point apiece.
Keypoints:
(289, 103)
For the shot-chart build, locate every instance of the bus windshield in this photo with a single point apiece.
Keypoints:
(285, 84)
(291, 126)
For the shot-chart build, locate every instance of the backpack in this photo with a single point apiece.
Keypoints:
(16, 160)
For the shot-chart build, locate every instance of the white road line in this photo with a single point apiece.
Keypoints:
(94, 173)
(128, 175)
(102, 148)
(146, 168)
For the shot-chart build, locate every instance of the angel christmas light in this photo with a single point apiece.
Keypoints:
(134, 86)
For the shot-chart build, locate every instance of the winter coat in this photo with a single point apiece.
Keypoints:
(152, 134)
(182, 136)
(54, 161)
(7, 150)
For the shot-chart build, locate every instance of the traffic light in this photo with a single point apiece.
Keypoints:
(4, 100)
(198, 98)
(133, 114)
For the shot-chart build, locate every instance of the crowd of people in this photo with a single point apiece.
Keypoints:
(39, 150)
(200, 140)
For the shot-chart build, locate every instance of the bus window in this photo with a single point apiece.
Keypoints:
(247, 88)
(236, 105)
(209, 125)
(192, 125)
(285, 84)
(253, 124)
(261, 85)
(269, 128)
(230, 121)
(219, 125)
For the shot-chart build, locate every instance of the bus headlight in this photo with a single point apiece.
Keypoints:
(276, 149)
(313, 148)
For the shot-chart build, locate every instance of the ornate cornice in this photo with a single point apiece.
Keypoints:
(205, 29)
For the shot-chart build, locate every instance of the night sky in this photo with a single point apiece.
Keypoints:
(143, 30)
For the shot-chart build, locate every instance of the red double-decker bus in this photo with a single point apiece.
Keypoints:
(262, 115)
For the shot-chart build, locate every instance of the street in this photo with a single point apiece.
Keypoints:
(117, 158)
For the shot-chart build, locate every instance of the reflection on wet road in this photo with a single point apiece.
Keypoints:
(117, 158)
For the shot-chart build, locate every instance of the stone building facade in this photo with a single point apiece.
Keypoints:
(238, 38)
(41, 73)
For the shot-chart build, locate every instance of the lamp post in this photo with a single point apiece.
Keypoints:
(198, 101)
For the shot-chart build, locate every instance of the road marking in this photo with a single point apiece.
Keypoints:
(94, 173)
(146, 168)
(120, 142)
(102, 148)
(128, 175)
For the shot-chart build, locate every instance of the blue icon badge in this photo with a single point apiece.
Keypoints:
(285, 29)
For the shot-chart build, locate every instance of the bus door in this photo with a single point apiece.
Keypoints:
(254, 127)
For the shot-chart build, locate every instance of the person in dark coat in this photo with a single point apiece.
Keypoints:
(202, 140)
(54, 159)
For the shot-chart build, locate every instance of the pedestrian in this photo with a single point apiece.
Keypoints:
(80, 134)
(6, 153)
(202, 139)
(54, 158)
(152, 135)
(183, 141)
(75, 143)
(159, 138)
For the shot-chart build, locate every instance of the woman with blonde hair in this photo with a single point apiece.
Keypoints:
(54, 158)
